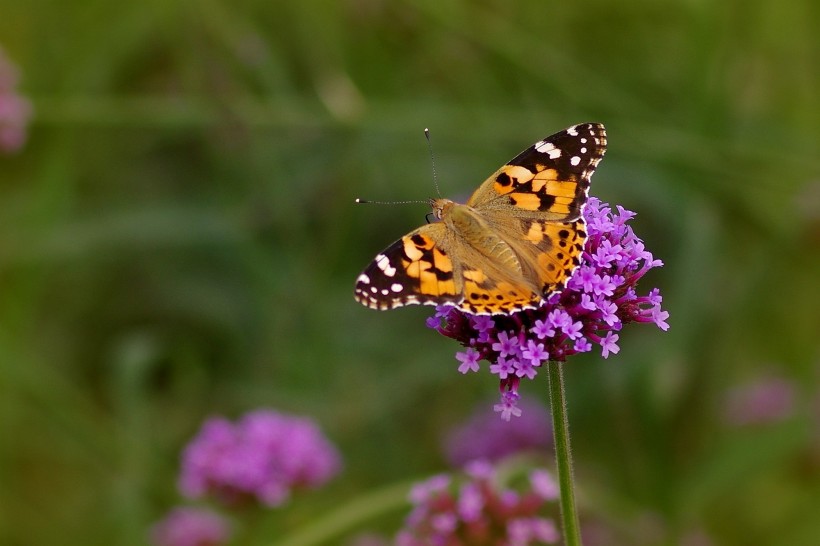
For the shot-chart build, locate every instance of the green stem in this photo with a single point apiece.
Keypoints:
(563, 458)
(350, 515)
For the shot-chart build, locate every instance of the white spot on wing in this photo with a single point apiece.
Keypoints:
(383, 263)
(573, 131)
(364, 279)
(575, 160)
(396, 287)
(548, 148)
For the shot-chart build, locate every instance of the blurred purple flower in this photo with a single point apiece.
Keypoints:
(15, 110)
(485, 436)
(185, 526)
(475, 509)
(767, 400)
(264, 455)
(598, 300)
(544, 485)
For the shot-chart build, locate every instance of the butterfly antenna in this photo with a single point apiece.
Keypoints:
(369, 202)
(432, 159)
(425, 201)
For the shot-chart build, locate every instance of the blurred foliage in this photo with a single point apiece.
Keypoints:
(179, 239)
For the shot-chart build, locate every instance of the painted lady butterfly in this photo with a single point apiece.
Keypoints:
(516, 240)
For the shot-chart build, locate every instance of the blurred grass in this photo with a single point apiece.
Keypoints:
(178, 239)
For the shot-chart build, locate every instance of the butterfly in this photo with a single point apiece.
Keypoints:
(517, 240)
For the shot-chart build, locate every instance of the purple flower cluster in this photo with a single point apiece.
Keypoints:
(478, 510)
(598, 300)
(486, 437)
(185, 526)
(15, 110)
(264, 455)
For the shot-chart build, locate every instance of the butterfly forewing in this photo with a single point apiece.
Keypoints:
(413, 270)
(550, 178)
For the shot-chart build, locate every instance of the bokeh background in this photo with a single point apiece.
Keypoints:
(179, 240)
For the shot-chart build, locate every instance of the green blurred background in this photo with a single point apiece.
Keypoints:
(179, 239)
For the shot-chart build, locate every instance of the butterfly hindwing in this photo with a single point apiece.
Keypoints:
(549, 251)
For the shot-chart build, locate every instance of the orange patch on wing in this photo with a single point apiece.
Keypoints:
(411, 241)
(502, 298)
(562, 188)
(415, 269)
(543, 178)
(557, 264)
(549, 271)
(546, 174)
(559, 208)
(516, 293)
(428, 282)
(475, 275)
(447, 287)
(562, 205)
(442, 261)
(526, 201)
(535, 234)
(517, 174)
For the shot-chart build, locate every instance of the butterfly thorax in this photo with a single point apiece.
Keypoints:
(467, 222)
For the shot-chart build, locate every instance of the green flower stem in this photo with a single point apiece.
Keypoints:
(349, 516)
(563, 457)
